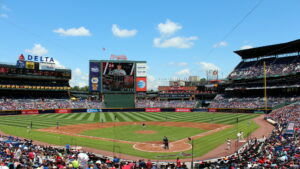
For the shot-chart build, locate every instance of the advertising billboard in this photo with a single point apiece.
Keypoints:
(47, 66)
(94, 79)
(141, 69)
(118, 76)
(21, 64)
(141, 84)
(29, 65)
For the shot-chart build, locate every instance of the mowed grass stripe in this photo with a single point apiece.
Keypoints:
(210, 118)
(97, 117)
(143, 117)
(113, 117)
(91, 117)
(107, 116)
(102, 117)
(197, 117)
(87, 115)
(123, 116)
(24, 123)
(134, 117)
(62, 116)
(71, 116)
(152, 116)
(42, 121)
(120, 118)
(81, 116)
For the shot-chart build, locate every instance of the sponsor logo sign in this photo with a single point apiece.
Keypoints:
(152, 109)
(47, 66)
(40, 59)
(212, 110)
(62, 110)
(30, 112)
(141, 84)
(141, 69)
(93, 110)
(94, 81)
(183, 110)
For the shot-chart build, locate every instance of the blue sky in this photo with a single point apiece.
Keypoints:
(176, 38)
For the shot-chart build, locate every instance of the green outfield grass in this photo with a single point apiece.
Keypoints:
(128, 133)
(17, 125)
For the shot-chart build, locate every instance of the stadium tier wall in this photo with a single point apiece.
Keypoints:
(30, 112)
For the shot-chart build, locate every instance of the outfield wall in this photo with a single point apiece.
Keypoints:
(29, 112)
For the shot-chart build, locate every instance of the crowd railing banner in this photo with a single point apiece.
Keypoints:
(183, 110)
(152, 110)
(62, 110)
(30, 112)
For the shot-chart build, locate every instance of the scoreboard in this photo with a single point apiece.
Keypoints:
(113, 76)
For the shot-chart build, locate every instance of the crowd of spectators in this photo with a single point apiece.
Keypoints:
(22, 154)
(223, 101)
(275, 151)
(165, 104)
(30, 104)
(274, 67)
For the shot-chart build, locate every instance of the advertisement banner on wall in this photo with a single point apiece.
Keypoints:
(94, 80)
(21, 64)
(152, 109)
(93, 110)
(141, 69)
(47, 66)
(62, 110)
(29, 65)
(212, 110)
(141, 84)
(29, 112)
(183, 110)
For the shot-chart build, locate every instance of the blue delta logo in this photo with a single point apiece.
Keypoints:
(141, 84)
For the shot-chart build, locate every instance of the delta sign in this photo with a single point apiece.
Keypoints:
(37, 58)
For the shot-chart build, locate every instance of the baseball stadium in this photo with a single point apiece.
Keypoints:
(133, 84)
(199, 123)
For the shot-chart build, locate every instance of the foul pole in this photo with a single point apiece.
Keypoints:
(265, 88)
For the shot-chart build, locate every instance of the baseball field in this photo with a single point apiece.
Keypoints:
(133, 133)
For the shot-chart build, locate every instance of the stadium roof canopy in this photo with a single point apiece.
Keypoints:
(271, 50)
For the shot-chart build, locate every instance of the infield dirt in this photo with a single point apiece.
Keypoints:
(156, 146)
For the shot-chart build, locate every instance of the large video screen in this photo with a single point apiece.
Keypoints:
(118, 76)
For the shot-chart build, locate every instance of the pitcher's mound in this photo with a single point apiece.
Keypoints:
(145, 132)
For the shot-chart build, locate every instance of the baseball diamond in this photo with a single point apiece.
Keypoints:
(101, 131)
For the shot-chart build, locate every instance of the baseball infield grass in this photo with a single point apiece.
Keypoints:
(128, 133)
(17, 126)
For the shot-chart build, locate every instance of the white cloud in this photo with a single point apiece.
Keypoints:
(182, 64)
(175, 42)
(168, 28)
(220, 44)
(153, 83)
(4, 7)
(58, 65)
(3, 15)
(81, 31)
(77, 72)
(122, 33)
(78, 78)
(179, 64)
(38, 50)
(183, 72)
(246, 47)
(208, 66)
